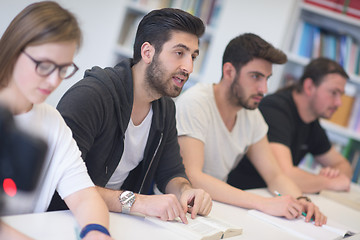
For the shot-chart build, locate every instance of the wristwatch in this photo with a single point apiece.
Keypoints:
(127, 199)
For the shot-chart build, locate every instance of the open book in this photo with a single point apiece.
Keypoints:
(305, 230)
(200, 228)
(350, 199)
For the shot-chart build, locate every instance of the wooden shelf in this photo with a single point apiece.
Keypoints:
(330, 14)
(340, 130)
(303, 61)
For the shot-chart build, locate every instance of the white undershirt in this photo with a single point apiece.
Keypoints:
(134, 147)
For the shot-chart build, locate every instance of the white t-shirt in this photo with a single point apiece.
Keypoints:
(134, 147)
(197, 116)
(63, 169)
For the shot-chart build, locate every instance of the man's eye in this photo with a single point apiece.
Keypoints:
(255, 76)
(335, 93)
(179, 53)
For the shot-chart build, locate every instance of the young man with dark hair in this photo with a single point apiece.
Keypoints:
(219, 123)
(123, 120)
(293, 116)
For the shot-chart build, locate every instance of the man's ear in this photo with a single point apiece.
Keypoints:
(308, 86)
(229, 71)
(147, 52)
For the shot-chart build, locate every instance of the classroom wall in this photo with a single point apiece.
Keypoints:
(99, 21)
(270, 19)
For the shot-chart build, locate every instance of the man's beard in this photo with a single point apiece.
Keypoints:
(237, 96)
(158, 80)
(316, 113)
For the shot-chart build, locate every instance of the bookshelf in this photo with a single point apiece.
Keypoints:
(320, 31)
(208, 11)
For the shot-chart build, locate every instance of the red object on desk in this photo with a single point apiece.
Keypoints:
(9, 187)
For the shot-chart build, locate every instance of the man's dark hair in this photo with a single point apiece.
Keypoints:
(156, 28)
(244, 48)
(317, 69)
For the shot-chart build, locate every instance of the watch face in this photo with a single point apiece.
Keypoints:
(127, 197)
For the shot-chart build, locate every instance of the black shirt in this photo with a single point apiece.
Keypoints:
(285, 127)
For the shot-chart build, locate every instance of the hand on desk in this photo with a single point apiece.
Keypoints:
(196, 201)
(341, 182)
(167, 206)
(282, 206)
(329, 172)
(290, 208)
(312, 212)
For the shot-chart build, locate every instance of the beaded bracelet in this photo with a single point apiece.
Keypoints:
(93, 227)
(304, 197)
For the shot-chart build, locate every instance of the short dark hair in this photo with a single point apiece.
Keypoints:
(244, 48)
(156, 28)
(317, 69)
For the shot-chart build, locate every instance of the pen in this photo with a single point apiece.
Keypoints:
(302, 213)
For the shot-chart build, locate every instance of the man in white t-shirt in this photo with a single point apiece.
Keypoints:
(219, 123)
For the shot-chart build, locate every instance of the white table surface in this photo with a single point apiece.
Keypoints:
(62, 225)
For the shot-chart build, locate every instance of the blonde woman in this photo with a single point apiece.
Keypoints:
(36, 54)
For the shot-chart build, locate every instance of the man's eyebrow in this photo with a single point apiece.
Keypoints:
(180, 45)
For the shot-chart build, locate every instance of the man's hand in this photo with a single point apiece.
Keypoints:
(196, 201)
(312, 211)
(282, 206)
(329, 172)
(339, 183)
(166, 207)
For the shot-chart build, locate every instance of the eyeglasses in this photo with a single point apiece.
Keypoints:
(45, 68)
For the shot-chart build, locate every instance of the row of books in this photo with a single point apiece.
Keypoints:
(206, 10)
(351, 151)
(347, 7)
(312, 41)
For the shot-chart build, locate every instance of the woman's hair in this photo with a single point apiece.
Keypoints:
(39, 23)
(156, 28)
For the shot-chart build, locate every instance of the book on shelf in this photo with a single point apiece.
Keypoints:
(352, 9)
(342, 114)
(200, 228)
(305, 45)
(129, 28)
(351, 151)
(333, 5)
(304, 230)
(354, 119)
(200, 60)
(350, 199)
(317, 45)
(355, 165)
(329, 46)
(206, 10)
(313, 41)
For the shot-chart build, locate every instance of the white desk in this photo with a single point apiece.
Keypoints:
(61, 225)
